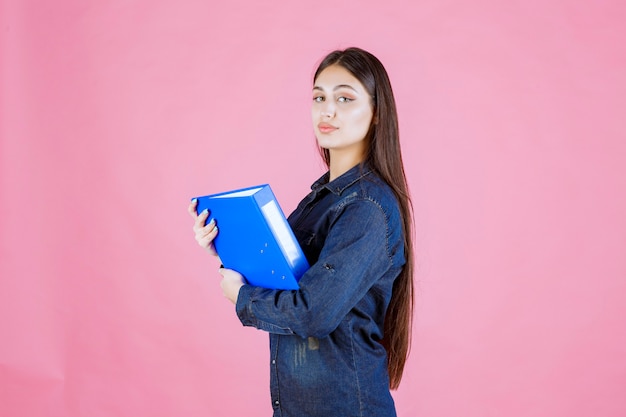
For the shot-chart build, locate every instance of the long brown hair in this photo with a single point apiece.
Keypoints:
(385, 158)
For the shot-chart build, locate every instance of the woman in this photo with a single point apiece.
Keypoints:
(340, 342)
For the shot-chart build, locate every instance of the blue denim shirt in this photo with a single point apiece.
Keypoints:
(326, 357)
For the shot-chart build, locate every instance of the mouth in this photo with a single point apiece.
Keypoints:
(326, 128)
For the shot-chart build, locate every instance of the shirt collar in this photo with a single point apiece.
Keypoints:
(339, 184)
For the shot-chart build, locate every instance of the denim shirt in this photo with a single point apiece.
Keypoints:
(326, 356)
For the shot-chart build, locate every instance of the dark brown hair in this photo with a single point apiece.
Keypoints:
(385, 158)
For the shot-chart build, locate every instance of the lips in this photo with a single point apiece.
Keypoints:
(326, 128)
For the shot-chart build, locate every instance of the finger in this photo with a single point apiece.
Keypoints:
(221, 271)
(202, 235)
(210, 226)
(206, 243)
(205, 238)
(201, 219)
(202, 230)
(192, 208)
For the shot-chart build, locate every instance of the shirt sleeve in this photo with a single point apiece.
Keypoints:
(354, 256)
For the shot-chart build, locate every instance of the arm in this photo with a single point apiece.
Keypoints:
(352, 260)
(205, 234)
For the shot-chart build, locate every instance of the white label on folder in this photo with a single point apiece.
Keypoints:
(278, 226)
(242, 193)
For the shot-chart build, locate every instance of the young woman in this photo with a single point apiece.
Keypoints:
(340, 342)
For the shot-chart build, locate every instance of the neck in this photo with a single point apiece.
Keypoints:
(341, 163)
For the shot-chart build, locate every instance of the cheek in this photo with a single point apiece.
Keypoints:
(362, 119)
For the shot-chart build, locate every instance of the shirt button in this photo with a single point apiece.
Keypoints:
(273, 361)
(276, 402)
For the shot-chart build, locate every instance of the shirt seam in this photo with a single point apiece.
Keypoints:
(346, 201)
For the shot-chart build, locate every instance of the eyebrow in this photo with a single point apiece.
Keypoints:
(337, 87)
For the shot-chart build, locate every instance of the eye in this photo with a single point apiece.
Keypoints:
(343, 99)
(318, 99)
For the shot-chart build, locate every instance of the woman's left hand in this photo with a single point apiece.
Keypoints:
(232, 281)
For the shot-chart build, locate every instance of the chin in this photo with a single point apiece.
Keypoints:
(324, 144)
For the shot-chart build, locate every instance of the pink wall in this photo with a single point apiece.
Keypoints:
(114, 113)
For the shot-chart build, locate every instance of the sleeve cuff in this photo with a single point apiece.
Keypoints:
(244, 304)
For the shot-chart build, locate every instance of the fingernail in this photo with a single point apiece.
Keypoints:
(193, 200)
(205, 211)
(212, 222)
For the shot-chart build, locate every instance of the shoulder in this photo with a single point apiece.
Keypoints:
(370, 197)
(373, 189)
(371, 209)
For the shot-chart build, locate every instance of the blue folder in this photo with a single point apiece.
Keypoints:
(255, 238)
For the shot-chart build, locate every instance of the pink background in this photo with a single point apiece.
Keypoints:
(115, 113)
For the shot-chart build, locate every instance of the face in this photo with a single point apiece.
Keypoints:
(342, 112)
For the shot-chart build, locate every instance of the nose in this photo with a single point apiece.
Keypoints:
(328, 110)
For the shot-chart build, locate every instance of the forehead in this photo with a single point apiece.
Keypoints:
(336, 76)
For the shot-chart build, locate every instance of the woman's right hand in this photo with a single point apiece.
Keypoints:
(205, 234)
